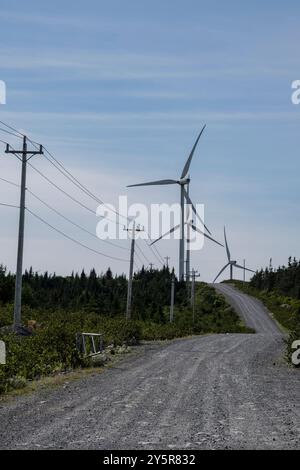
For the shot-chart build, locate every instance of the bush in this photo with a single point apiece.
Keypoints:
(52, 348)
(286, 310)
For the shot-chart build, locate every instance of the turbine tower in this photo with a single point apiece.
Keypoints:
(230, 263)
(183, 182)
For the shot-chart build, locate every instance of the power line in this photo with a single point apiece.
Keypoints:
(62, 190)
(77, 183)
(9, 132)
(9, 205)
(73, 180)
(62, 169)
(64, 217)
(84, 206)
(11, 128)
(153, 247)
(157, 255)
(142, 253)
(9, 182)
(73, 239)
(80, 186)
(140, 260)
(74, 223)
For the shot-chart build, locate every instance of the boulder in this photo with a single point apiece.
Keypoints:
(99, 359)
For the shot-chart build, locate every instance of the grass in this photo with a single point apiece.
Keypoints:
(49, 382)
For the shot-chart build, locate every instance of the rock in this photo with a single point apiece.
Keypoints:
(124, 349)
(99, 359)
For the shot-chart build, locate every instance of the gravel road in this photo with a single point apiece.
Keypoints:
(229, 391)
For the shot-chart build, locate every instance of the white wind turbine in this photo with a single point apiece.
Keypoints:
(183, 182)
(190, 225)
(230, 263)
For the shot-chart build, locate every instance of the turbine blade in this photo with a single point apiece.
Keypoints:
(223, 269)
(153, 183)
(188, 162)
(189, 201)
(167, 233)
(205, 234)
(242, 267)
(226, 244)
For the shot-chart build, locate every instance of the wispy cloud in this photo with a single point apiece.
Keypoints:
(122, 65)
(52, 20)
(149, 120)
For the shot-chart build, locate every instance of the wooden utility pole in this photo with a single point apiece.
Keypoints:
(271, 265)
(23, 155)
(129, 287)
(194, 275)
(172, 297)
(167, 258)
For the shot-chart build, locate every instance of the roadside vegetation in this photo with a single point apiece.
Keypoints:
(56, 308)
(279, 290)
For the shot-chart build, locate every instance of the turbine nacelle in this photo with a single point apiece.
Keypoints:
(184, 181)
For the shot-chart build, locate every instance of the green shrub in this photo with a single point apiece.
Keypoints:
(53, 347)
(286, 310)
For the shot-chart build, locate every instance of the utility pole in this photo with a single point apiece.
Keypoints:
(194, 275)
(244, 272)
(271, 265)
(129, 287)
(151, 266)
(172, 297)
(24, 156)
(167, 258)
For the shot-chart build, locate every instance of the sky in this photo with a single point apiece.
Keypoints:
(118, 92)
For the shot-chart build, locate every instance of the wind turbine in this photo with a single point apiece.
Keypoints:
(231, 263)
(183, 182)
(190, 225)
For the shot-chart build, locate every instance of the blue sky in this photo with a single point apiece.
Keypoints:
(118, 91)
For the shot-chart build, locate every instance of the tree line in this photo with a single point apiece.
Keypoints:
(285, 279)
(104, 294)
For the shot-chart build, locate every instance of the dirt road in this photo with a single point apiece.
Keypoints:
(229, 391)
